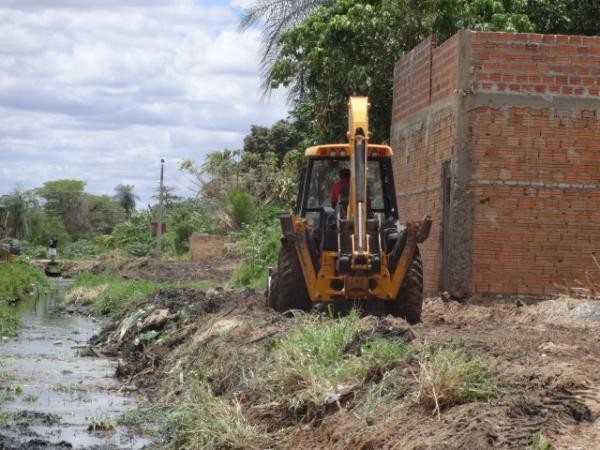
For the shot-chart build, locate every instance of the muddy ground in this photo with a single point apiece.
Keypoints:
(214, 270)
(545, 358)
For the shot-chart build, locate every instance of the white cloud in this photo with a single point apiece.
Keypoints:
(102, 89)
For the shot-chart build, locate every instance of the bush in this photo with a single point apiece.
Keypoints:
(240, 207)
(258, 245)
(16, 281)
(33, 251)
(133, 236)
(183, 232)
(79, 249)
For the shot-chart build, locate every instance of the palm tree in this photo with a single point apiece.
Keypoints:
(277, 17)
(126, 197)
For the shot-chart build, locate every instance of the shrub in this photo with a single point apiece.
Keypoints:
(183, 231)
(240, 207)
(258, 245)
(33, 251)
(79, 249)
(16, 281)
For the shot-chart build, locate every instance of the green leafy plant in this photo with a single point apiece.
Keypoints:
(258, 245)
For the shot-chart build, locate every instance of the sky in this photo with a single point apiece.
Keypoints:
(101, 90)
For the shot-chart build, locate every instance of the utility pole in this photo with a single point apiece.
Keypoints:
(160, 210)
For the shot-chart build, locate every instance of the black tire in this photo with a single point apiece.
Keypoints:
(291, 291)
(409, 302)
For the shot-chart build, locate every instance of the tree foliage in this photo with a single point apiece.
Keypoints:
(349, 48)
(18, 203)
(125, 197)
(282, 137)
(334, 49)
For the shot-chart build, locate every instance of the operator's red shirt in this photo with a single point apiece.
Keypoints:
(336, 190)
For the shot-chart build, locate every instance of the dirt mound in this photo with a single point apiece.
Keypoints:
(547, 377)
(144, 337)
(215, 269)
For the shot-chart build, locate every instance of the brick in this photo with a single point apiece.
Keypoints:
(535, 210)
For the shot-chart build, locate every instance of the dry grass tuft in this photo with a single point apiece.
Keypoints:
(203, 420)
(85, 295)
(448, 377)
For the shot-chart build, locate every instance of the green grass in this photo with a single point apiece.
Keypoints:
(539, 442)
(447, 377)
(311, 363)
(258, 245)
(202, 420)
(17, 281)
(117, 294)
(113, 295)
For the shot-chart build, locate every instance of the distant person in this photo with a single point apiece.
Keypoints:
(342, 186)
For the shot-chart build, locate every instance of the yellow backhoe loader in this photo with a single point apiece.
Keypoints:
(344, 244)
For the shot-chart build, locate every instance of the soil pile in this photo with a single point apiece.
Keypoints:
(548, 385)
(214, 269)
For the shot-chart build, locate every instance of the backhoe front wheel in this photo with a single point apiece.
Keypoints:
(409, 301)
(287, 288)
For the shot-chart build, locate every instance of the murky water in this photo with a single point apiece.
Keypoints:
(56, 392)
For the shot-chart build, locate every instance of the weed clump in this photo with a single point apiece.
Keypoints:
(312, 367)
(448, 377)
(109, 294)
(203, 420)
(16, 282)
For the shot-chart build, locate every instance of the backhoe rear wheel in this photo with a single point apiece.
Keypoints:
(409, 302)
(288, 288)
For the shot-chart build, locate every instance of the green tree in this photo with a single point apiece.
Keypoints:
(100, 214)
(125, 197)
(43, 228)
(276, 17)
(349, 47)
(82, 214)
(63, 200)
(19, 204)
(282, 137)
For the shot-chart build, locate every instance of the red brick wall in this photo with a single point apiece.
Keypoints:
(444, 70)
(537, 178)
(532, 149)
(412, 80)
(537, 198)
(423, 142)
(536, 63)
(418, 182)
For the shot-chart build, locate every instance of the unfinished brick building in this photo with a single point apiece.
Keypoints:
(497, 137)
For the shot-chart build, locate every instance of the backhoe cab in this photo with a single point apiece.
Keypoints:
(354, 251)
